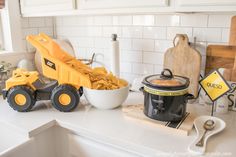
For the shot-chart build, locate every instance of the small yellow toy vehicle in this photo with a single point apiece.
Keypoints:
(24, 88)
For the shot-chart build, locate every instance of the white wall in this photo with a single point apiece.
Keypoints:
(34, 26)
(29, 26)
(143, 38)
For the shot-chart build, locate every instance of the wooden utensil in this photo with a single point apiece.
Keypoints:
(232, 41)
(232, 38)
(184, 61)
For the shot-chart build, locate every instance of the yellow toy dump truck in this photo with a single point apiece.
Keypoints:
(24, 88)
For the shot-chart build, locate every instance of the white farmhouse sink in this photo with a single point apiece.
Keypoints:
(10, 137)
(52, 140)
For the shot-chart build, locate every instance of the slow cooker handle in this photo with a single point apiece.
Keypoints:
(164, 75)
(141, 89)
(189, 96)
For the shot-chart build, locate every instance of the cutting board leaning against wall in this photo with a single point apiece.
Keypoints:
(185, 61)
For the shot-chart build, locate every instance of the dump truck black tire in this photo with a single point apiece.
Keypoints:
(21, 98)
(65, 98)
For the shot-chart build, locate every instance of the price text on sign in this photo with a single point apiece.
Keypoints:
(214, 85)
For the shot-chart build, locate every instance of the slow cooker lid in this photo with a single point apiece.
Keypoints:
(167, 79)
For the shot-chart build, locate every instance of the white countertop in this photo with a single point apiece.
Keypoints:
(112, 127)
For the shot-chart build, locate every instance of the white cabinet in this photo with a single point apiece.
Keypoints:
(79, 7)
(206, 2)
(205, 5)
(33, 7)
(108, 4)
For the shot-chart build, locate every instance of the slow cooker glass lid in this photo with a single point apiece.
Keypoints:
(157, 80)
(167, 79)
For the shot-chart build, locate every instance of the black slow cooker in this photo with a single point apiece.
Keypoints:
(166, 96)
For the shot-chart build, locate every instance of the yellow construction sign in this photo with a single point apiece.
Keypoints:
(214, 85)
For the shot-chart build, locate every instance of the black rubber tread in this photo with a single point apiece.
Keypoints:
(67, 89)
(27, 92)
(81, 91)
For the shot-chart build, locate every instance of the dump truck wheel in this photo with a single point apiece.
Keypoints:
(65, 98)
(21, 98)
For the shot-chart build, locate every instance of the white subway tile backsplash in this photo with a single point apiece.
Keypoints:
(80, 52)
(77, 21)
(129, 76)
(79, 31)
(46, 30)
(28, 31)
(142, 69)
(72, 31)
(194, 20)
(86, 20)
(125, 44)
(94, 31)
(48, 21)
(163, 45)
(207, 34)
(148, 45)
(126, 67)
(154, 32)
(172, 31)
(33, 26)
(225, 35)
(122, 20)
(143, 38)
(70, 21)
(109, 30)
(59, 21)
(85, 42)
(132, 32)
(167, 20)
(219, 20)
(103, 20)
(158, 69)
(153, 58)
(143, 44)
(131, 56)
(24, 22)
(61, 32)
(102, 42)
(144, 20)
(36, 22)
(137, 44)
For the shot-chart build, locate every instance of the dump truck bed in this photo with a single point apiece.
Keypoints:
(59, 65)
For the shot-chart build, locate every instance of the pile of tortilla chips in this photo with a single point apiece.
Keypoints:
(99, 77)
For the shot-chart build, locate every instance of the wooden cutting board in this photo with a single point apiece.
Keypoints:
(184, 61)
(219, 56)
(232, 38)
(183, 127)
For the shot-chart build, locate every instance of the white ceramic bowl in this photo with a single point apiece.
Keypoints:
(106, 99)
